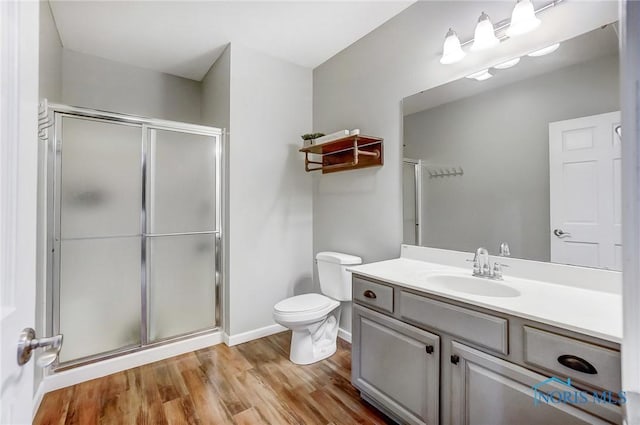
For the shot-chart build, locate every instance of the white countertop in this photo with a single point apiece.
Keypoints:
(587, 311)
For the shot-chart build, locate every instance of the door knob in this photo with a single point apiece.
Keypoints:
(561, 233)
(27, 342)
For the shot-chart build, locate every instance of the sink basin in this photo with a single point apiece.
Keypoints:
(473, 285)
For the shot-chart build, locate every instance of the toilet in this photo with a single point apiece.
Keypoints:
(314, 318)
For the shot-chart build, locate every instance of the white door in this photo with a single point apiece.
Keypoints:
(18, 194)
(585, 191)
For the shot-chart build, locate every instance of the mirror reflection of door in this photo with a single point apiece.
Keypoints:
(585, 217)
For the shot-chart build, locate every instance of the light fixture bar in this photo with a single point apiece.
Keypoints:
(506, 22)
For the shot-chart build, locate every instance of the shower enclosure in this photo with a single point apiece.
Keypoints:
(134, 231)
(411, 201)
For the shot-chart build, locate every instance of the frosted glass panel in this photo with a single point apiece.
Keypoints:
(181, 284)
(409, 203)
(101, 178)
(99, 295)
(182, 182)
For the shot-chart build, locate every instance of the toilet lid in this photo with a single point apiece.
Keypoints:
(300, 303)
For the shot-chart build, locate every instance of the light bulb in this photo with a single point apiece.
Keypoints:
(523, 19)
(480, 75)
(484, 36)
(451, 50)
(545, 50)
(507, 64)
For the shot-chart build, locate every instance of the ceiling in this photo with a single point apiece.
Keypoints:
(184, 38)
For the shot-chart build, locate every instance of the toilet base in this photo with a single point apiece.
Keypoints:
(317, 342)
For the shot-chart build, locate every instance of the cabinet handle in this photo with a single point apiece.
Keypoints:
(429, 349)
(370, 294)
(455, 359)
(576, 363)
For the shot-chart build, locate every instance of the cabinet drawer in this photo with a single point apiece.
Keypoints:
(482, 329)
(581, 361)
(373, 294)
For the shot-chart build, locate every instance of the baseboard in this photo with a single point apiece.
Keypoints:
(231, 340)
(99, 369)
(345, 335)
(37, 399)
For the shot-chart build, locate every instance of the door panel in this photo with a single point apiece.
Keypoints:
(488, 390)
(585, 201)
(182, 276)
(182, 182)
(18, 202)
(99, 295)
(101, 178)
(398, 365)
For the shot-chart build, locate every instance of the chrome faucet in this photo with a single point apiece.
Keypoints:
(482, 265)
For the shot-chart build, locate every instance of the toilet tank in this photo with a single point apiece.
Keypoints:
(335, 280)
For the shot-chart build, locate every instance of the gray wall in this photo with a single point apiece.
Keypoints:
(93, 82)
(269, 192)
(265, 105)
(501, 140)
(216, 92)
(359, 212)
(216, 104)
(50, 56)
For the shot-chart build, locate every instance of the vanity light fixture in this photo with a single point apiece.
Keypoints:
(544, 50)
(480, 75)
(451, 50)
(523, 19)
(484, 36)
(507, 64)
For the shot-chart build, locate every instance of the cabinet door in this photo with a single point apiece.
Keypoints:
(397, 365)
(487, 390)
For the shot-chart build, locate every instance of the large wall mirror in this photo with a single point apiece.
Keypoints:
(529, 157)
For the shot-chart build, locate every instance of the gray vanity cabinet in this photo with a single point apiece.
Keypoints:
(398, 365)
(488, 390)
(424, 359)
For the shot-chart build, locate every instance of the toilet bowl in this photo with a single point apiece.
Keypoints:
(314, 318)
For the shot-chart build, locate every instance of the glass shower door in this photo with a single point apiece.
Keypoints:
(182, 232)
(98, 235)
(411, 176)
(133, 227)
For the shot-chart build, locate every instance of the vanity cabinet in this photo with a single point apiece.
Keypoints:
(487, 390)
(398, 365)
(425, 359)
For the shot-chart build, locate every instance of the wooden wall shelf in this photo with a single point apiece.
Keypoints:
(347, 153)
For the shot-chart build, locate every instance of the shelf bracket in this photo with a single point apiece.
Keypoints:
(307, 161)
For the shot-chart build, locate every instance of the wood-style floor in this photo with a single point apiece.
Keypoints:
(251, 383)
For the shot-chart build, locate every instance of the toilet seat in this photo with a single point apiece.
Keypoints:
(302, 308)
(303, 303)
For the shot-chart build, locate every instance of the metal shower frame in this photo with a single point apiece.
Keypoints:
(54, 115)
